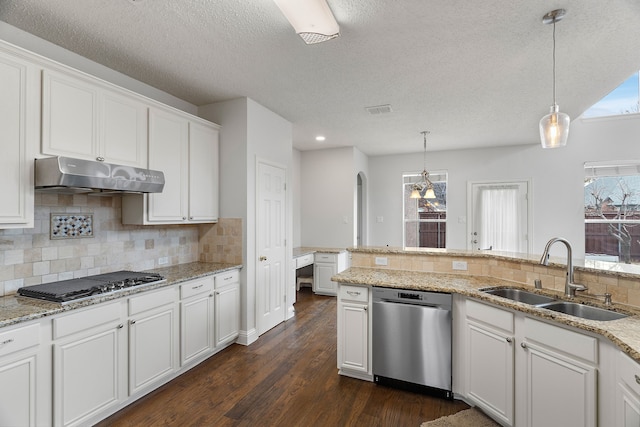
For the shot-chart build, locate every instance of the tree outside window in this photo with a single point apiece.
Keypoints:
(612, 213)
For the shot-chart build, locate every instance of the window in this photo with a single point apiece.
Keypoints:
(612, 212)
(425, 220)
(625, 99)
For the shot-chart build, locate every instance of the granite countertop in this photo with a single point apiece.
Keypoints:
(601, 267)
(624, 333)
(301, 251)
(15, 309)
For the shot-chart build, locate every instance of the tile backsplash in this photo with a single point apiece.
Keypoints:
(29, 256)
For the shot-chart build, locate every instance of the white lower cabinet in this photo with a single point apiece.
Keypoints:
(153, 338)
(627, 392)
(327, 265)
(227, 308)
(196, 319)
(490, 360)
(354, 331)
(89, 354)
(526, 372)
(560, 384)
(24, 368)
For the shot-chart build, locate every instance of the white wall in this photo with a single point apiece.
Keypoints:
(249, 132)
(557, 176)
(296, 186)
(328, 196)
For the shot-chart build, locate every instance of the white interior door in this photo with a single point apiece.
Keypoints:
(271, 251)
(499, 216)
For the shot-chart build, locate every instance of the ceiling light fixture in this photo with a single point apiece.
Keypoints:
(311, 19)
(554, 127)
(320, 138)
(424, 188)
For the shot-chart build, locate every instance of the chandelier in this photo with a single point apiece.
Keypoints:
(424, 188)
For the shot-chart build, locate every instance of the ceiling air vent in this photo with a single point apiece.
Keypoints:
(379, 109)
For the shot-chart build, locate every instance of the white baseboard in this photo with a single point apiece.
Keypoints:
(247, 337)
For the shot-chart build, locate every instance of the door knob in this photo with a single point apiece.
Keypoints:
(263, 258)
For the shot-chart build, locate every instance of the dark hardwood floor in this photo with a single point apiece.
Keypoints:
(286, 378)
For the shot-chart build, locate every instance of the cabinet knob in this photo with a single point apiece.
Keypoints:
(365, 308)
(210, 295)
(637, 378)
(120, 326)
(133, 322)
(263, 258)
(100, 159)
(523, 344)
(509, 339)
(184, 218)
(191, 218)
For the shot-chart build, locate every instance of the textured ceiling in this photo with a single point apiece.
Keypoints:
(475, 74)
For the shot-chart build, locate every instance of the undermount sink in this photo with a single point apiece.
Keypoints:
(520, 295)
(571, 308)
(583, 311)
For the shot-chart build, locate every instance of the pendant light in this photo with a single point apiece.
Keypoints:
(554, 127)
(424, 188)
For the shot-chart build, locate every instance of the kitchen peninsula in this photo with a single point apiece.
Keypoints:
(505, 352)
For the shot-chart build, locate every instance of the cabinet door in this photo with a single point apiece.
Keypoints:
(168, 139)
(18, 130)
(203, 173)
(123, 130)
(322, 274)
(353, 343)
(628, 407)
(559, 391)
(227, 313)
(69, 116)
(490, 365)
(18, 401)
(196, 327)
(86, 376)
(152, 347)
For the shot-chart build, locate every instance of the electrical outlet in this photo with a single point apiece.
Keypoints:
(163, 260)
(459, 265)
(381, 260)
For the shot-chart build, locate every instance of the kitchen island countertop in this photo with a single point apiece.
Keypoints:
(624, 333)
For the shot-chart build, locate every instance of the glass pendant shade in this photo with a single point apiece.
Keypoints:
(415, 194)
(430, 194)
(554, 128)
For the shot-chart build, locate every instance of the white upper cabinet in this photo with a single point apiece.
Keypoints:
(186, 150)
(85, 119)
(19, 130)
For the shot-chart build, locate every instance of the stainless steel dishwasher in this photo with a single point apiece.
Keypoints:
(412, 340)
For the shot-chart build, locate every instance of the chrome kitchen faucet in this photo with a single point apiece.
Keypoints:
(570, 287)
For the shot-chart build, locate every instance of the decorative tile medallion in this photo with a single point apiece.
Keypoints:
(71, 226)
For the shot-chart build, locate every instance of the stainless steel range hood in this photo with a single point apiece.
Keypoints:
(67, 175)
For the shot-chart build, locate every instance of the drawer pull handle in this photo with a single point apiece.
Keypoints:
(197, 287)
(637, 379)
(10, 340)
(509, 339)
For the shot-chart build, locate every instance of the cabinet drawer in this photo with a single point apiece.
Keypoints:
(227, 278)
(151, 300)
(86, 319)
(564, 340)
(196, 287)
(303, 261)
(19, 339)
(354, 293)
(320, 257)
(629, 372)
(492, 316)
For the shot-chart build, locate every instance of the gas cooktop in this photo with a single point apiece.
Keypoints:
(73, 290)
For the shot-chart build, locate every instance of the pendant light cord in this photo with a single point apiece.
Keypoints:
(554, 62)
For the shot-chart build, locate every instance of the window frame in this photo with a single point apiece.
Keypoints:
(410, 178)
